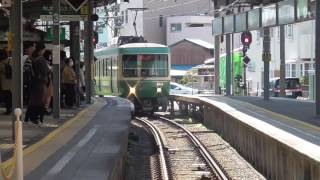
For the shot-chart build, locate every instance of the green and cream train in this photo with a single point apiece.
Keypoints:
(139, 72)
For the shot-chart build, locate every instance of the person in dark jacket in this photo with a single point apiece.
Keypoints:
(5, 82)
(38, 92)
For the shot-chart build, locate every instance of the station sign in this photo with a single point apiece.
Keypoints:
(76, 4)
(65, 17)
(217, 26)
(269, 15)
(241, 22)
(254, 19)
(286, 13)
(281, 13)
(229, 24)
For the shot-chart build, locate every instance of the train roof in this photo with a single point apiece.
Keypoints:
(135, 45)
(133, 48)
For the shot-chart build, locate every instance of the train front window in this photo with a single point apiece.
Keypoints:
(130, 66)
(154, 65)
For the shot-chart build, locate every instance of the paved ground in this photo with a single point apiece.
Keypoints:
(290, 115)
(31, 133)
(88, 149)
(297, 109)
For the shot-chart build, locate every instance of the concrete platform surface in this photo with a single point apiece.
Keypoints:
(293, 116)
(88, 149)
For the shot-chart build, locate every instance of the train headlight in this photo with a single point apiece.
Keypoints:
(159, 89)
(132, 90)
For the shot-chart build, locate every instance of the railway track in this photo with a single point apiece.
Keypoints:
(181, 154)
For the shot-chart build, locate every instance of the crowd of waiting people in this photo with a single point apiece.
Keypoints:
(37, 81)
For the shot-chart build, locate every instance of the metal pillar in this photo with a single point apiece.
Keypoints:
(317, 58)
(75, 53)
(56, 58)
(228, 66)
(88, 54)
(266, 57)
(217, 65)
(282, 62)
(16, 28)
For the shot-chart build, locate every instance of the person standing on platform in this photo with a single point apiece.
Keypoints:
(48, 56)
(69, 81)
(5, 81)
(38, 95)
(82, 83)
(28, 48)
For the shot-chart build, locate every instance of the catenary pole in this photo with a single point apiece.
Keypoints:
(217, 64)
(228, 66)
(317, 58)
(56, 58)
(75, 52)
(266, 57)
(88, 53)
(282, 62)
(16, 28)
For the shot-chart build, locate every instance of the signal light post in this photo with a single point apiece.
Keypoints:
(246, 39)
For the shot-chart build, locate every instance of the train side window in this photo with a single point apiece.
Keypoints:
(103, 67)
(129, 65)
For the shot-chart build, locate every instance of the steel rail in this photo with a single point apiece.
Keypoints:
(157, 137)
(211, 162)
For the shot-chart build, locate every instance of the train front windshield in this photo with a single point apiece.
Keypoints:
(150, 65)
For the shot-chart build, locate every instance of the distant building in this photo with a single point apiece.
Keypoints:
(155, 17)
(127, 15)
(188, 53)
(195, 27)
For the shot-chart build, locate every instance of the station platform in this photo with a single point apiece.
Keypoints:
(89, 145)
(280, 139)
(294, 116)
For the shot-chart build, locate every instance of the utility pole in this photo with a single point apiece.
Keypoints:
(282, 62)
(266, 57)
(228, 66)
(75, 51)
(317, 58)
(88, 52)
(56, 58)
(217, 65)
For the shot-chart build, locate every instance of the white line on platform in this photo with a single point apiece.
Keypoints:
(67, 157)
(285, 125)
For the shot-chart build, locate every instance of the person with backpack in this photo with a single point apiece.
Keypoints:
(5, 81)
(38, 89)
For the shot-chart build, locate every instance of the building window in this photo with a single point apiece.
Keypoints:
(290, 31)
(287, 70)
(293, 70)
(160, 20)
(122, 16)
(176, 27)
(127, 17)
(195, 25)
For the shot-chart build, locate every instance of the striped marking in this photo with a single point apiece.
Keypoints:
(68, 156)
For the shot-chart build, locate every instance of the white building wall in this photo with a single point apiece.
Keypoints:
(159, 10)
(128, 18)
(299, 45)
(204, 33)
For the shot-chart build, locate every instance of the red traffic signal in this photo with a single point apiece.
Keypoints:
(246, 38)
